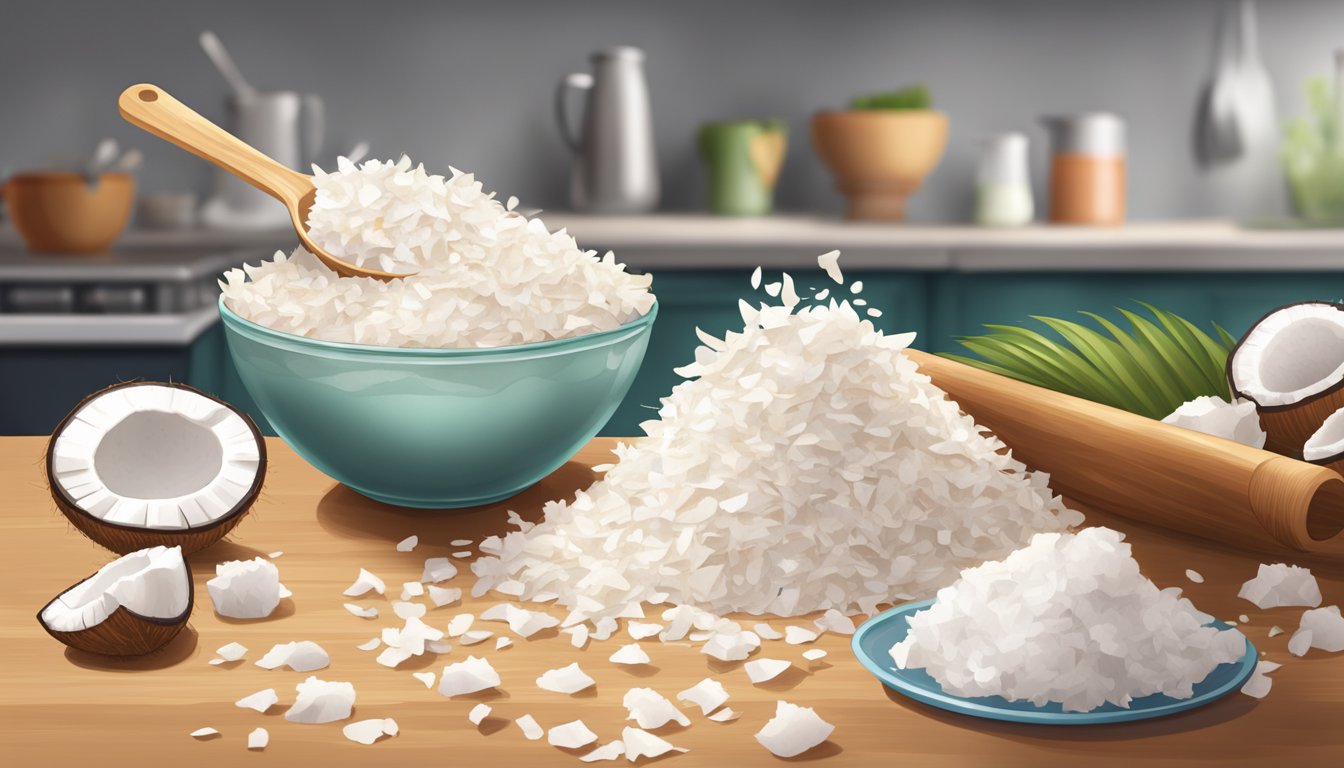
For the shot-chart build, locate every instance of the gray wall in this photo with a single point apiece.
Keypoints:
(470, 83)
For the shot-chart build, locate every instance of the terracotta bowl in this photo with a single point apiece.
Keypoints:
(63, 213)
(879, 157)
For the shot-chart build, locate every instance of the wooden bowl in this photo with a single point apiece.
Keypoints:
(63, 213)
(879, 157)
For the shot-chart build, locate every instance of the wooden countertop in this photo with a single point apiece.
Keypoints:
(60, 707)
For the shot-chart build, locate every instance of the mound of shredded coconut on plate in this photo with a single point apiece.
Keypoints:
(485, 275)
(806, 465)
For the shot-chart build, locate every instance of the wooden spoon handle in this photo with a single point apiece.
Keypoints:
(153, 109)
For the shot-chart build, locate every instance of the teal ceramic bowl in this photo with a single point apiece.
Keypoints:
(436, 428)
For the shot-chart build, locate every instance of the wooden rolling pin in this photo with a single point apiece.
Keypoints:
(1133, 466)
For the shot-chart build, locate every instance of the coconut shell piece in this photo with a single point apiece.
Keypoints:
(125, 538)
(124, 633)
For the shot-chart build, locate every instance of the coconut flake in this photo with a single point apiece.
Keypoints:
(1237, 421)
(407, 544)
(528, 725)
(815, 654)
(362, 611)
(365, 583)
(412, 589)
(275, 554)
(231, 652)
(438, 569)
(723, 715)
(763, 670)
(478, 713)
(835, 621)
(260, 701)
(369, 645)
(651, 709)
(202, 733)
(245, 589)
(1275, 631)
(459, 624)
(301, 656)
(474, 636)
(578, 635)
(425, 677)
(441, 596)
(1258, 685)
(1280, 585)
(258, 739)
(1300, 642)
(1325, 627)
(767, 632)
(612, 750)
(708, 694)
(629, 654)
(521, 621)
(1194, 576)
(408, 610)
(799, 635)
(793, 730)
(369, 731)
(571, 735)
(468, 676)
(568, 679)
(830, 262)
(460, 543)
(640, 630)
(319, 701)
(640, 743)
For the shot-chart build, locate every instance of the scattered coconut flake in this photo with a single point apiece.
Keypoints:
(723, 715)
(502, 642)
(438, 569)
(1194, 576)
(815, 654)
(438, 646)
(462, 555)
(365, 583)
(856, 287)
(571, 735)
(1275, 631)
(762, 670)
(708, 694)
(767, 632)
(1280, 585)
(1244, 619)
(460, 624)
(531, 730)
(408, 610)
(799, 635)
(731, 645)
(275, 554)
(1300, 642)
(830, 261)
(202, 733)
(369, 731)
(835, 621)
(245, 589)
(1258, 685)
(392, 656)
(640, 630)
(521, 621)
(302, 656)
(425, 677)
(756, 278)
(1236, 421)
(640, 743)
(629, 654)
(612, 750)
(407, 544)
(479, 713)
(369, 645)
(568, 679)
(474, 636)
(362, 611)
(231, 652)
(468, 676)
(441, 596)
(999, 629)
(651, 709)
(793, 730)
(319, 701)
(1326, 628)
(258, 739)
(260, 701)
(578, 635)
(412, 589)
(460, 543)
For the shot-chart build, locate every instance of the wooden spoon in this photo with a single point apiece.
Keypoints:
(151, 108)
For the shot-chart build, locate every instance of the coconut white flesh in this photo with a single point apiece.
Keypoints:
(1291, 355)
(1328, 441)
(153, 456)
(152, 582)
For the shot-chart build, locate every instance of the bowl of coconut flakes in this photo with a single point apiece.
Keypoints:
(464, 384)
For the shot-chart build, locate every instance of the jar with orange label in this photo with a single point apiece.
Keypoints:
(1087, 169)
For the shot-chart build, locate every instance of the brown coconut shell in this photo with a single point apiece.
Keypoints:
(124, 632)
(1288, 427)
(124, 539)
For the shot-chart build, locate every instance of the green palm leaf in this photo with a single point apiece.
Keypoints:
(1149, 369)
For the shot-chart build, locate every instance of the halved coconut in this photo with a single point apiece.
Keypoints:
(145, 464)
(130, 607)
(1291, 365)
(1326, 446)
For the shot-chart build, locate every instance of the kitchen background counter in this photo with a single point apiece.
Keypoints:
(941, 282)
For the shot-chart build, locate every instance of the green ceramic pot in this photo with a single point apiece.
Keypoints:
(743, 158)
(436, 428)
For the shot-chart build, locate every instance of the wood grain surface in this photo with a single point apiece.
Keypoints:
(65, 708)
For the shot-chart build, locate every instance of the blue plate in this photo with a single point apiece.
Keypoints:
(874, 639)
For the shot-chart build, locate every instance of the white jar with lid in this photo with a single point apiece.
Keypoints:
(1003, 184)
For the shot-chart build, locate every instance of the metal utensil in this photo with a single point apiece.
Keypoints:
(153, 109)
(218, 54)
(1218, 136)
(102, 157)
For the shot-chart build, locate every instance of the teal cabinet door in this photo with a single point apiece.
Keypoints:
(708, 300)
(962, 303)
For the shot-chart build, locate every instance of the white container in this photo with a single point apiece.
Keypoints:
(1003, 183)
